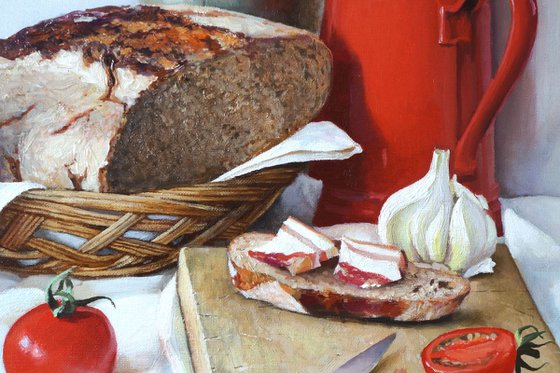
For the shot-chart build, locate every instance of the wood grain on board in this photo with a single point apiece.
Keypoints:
(228, 333)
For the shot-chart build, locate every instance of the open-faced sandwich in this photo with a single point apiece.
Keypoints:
(303, 270)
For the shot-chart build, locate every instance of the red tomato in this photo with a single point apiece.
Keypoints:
(40, 342)
(64, 335)
(476, 350)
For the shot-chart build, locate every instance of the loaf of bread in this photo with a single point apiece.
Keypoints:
(126, 99)
(423, 294)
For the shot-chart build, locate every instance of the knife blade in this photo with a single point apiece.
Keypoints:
(365, 361)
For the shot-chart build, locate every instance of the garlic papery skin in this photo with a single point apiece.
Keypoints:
(472, 232)
(416, 218)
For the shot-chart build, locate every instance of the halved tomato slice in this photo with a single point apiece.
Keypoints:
(476, 350)
(483, 350)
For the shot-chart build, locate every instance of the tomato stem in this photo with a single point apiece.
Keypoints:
(527, 346)
(62, 302)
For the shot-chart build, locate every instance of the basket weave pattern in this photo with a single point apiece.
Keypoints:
(194, 216)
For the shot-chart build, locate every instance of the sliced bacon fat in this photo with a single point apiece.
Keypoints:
(296, 247)
(369, 265)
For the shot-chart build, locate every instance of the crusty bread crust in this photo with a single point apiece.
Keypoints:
(423, 294)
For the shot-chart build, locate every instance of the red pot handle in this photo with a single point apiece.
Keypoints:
(522, 35)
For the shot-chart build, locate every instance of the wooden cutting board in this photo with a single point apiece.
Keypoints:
(228, 333)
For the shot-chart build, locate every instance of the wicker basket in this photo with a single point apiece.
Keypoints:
(194, 215)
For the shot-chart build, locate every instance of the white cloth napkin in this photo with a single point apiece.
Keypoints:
(146, 340)
(532, 235)
(317, 141)
(9, 191)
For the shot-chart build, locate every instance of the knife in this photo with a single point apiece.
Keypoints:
(365, 361)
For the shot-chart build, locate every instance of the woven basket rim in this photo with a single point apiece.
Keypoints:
(201, 213)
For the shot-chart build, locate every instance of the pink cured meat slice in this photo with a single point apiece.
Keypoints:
(369, 265)
(297, 247)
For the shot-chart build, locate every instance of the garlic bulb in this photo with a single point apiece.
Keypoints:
(472, 232)
(416, 218)
(438, 220)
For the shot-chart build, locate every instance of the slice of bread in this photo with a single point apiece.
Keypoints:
(422, 295)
